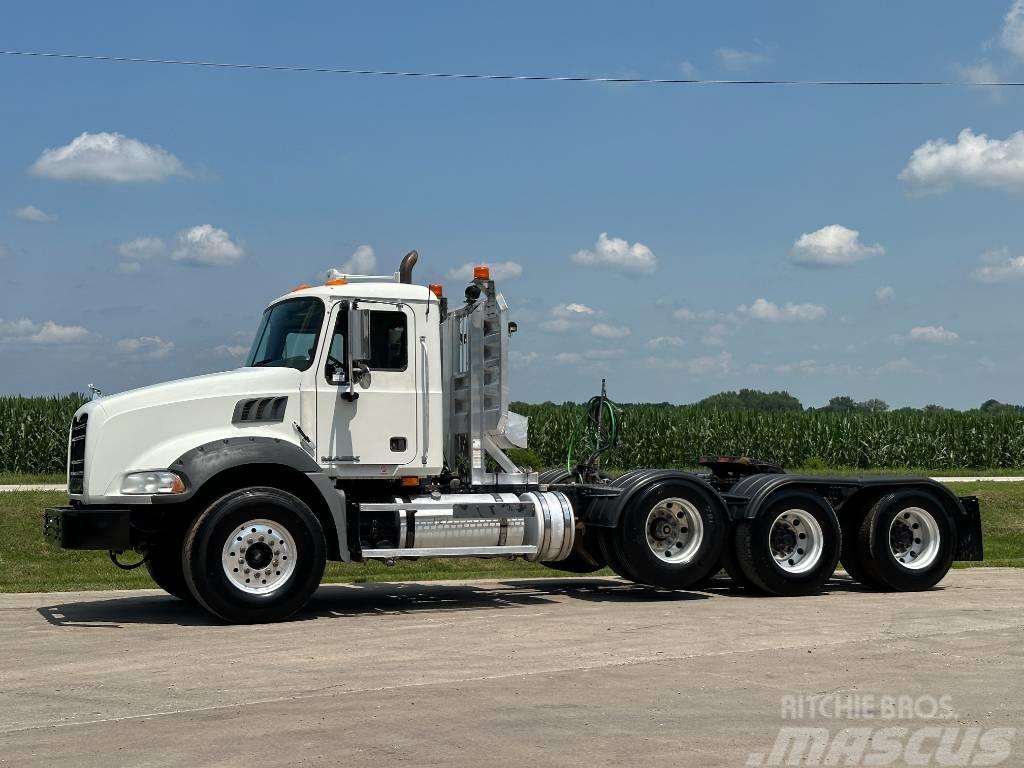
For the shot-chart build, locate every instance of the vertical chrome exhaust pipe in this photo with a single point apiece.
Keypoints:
(405, 270)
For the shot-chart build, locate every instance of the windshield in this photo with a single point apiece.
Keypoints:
(288, 334)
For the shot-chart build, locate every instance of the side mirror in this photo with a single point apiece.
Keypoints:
(358, 346)
(359, 334)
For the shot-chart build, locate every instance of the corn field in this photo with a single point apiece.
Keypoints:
(677, 436)
(34, 433)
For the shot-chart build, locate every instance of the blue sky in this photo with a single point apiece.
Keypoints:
(679, 240)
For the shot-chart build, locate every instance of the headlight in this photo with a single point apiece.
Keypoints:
(152, 482)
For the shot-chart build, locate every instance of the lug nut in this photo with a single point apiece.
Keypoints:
(249, 540)
(246, 570)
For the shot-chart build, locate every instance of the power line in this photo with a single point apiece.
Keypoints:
(482, 76)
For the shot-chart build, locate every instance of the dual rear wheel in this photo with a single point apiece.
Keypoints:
(904, 541)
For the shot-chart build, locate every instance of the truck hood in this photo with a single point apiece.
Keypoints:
(151, 427)
(241, 382)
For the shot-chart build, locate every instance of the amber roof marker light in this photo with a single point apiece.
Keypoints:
(481, 272)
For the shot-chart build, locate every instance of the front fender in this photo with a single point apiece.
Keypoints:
(200, 464)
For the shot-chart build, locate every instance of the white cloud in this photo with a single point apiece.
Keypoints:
(999, 266)
(363, 261)
(107, 157)
(148, 347)
(768, 311)
(500, 270)
(885, 294)
(207, 246)
(565, 317)
(975, 159)
(134, 252)
(568, 358)
(689, 70)
(833, 246)
(929, 334)
(711, 364)
(141, 248)
(229, 350)
(616, 252)
(31, 213)
(27, 332)
(1013, 29)
(902, 365)
(684, 313)
(737, 60)
(606, 331)
(814, 368)
(659, 342)
(522, 358)
(981, 72)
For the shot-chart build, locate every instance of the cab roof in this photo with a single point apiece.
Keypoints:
(364, 289)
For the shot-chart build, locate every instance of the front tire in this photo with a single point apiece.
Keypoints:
(791, 548)
(254, 556)
(165, 568)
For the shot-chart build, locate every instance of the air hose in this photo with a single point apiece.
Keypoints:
(598, 426)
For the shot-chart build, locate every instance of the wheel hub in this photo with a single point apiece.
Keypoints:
(259, 557)
(796, 541)
(675, 530)
(914, 538)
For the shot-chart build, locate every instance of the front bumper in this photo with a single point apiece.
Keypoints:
(88, 528)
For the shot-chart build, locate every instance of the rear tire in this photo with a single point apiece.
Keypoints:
(670, 535)
(851, 557)
(791, 548)
(255, 555)
(731, 564)
(907, 541)
(165, 568)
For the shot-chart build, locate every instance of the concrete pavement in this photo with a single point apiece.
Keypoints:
(531, 672)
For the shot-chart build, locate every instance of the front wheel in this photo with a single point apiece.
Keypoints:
(255, 555)
(165, 568)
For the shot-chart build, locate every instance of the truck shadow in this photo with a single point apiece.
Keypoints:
(335, 601)
(369, 599)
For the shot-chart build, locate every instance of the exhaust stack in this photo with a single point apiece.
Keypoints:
(405, 270)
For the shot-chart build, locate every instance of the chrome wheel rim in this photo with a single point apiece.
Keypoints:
(259, 557)
(675, 530)
(796, 541)
(914, 538)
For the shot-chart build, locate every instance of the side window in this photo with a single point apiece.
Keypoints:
(389, 344)
(334, 370)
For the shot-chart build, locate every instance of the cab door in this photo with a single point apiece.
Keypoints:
(373, 433)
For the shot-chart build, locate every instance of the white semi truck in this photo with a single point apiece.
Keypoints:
(371, 422)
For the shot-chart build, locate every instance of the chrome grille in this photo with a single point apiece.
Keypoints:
(76, 455)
